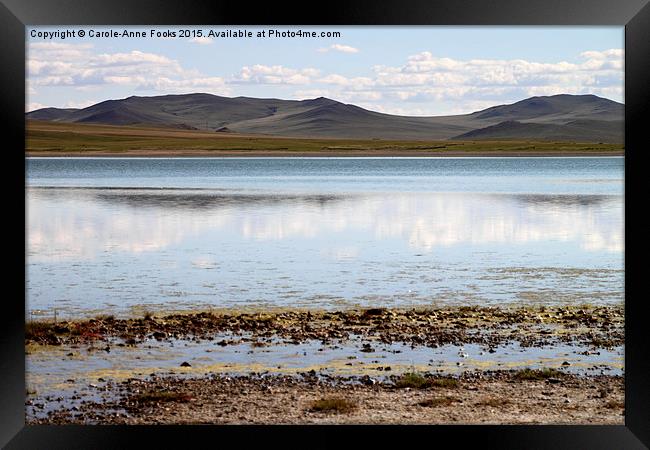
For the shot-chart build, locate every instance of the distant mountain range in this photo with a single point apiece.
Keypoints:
(579, 118)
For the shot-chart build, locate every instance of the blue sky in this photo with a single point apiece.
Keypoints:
(398, 70)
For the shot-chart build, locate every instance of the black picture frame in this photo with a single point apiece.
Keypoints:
(16, 15)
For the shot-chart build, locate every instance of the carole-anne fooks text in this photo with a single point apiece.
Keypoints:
(193, 33)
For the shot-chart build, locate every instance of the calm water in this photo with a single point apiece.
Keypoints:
(116, 234)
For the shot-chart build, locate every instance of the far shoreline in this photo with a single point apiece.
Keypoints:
(312, 154)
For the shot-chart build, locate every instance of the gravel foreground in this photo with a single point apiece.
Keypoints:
(502, 397)
(525, 396)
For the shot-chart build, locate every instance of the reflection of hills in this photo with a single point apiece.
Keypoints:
(203, 201)
(563, 200)
(182, 198)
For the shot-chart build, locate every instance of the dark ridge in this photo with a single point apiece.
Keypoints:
(575, 131)
(584, 118)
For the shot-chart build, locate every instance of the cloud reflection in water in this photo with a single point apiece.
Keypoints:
(68, 224)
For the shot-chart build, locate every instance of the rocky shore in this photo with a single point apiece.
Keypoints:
(432, 327)
(365, 393)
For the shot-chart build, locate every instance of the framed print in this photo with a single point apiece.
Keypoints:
(382, 217)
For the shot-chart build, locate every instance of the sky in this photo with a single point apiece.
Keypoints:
(419, 71)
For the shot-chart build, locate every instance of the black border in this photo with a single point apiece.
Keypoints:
(15, 15)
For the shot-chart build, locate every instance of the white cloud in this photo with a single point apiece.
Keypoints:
(424, 84)
(32, 106)
(424, 69)
(262, 74)
(339, 48)
(353, 82)
(359, 96)
(202, 40)
(76, 65)
(81, 104)
(459, 86)
(305, 94)
(611, 53)
(134, 57)
(58, 51)
(215, 85)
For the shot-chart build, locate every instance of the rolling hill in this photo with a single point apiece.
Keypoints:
(579, 118)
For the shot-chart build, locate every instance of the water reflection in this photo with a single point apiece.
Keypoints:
(205, 201)
(563, 200)
(82, 223)
(329, 233)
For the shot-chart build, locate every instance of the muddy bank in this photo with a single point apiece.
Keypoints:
(497, 397)
(601, 327)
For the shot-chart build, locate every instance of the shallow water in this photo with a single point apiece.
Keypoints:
(117, 234)
(68, 375)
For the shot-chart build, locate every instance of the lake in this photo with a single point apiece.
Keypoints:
(121, 235)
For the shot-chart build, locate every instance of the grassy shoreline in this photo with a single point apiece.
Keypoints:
(65, 140)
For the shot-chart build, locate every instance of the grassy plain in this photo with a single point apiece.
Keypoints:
(72, 139)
